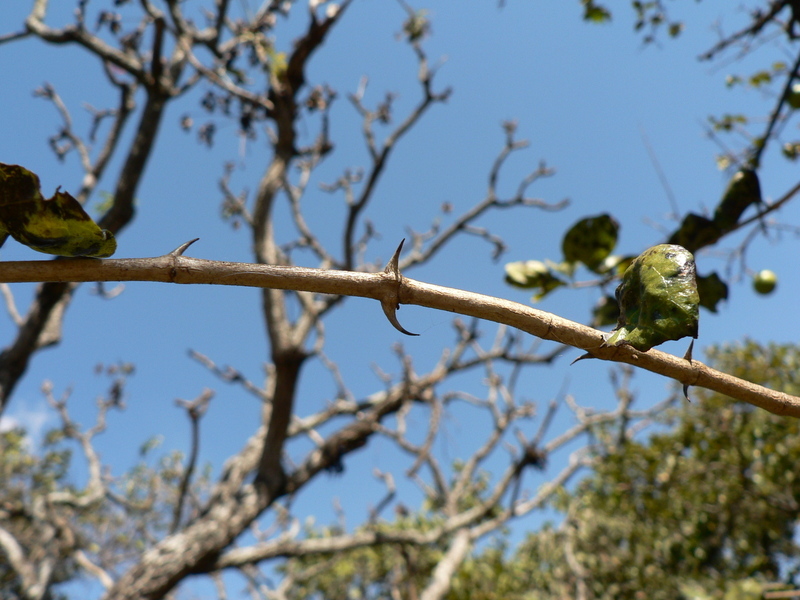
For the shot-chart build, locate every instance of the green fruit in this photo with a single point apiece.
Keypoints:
(765, 281)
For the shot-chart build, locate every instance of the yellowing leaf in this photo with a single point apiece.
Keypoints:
(532, 274)
(58, 225)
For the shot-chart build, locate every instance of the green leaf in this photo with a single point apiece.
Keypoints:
(658, 299)
(791, 150)
(594, 12)
(150, 444)
(760, 78)
(743, 190)
(56, 226)
(591, 241)
(727, 122)
(696, 231)
(532, 274)
(732, 80)
(417, 26)
(605, 312)
(525, 273)
(712, 290)
(675, 29)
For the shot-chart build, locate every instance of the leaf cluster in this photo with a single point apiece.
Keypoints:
(588, 242)
(592, 240)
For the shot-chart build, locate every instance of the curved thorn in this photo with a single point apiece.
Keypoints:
(182, 248)
(390, 310)
(688, 356)
(582, 357)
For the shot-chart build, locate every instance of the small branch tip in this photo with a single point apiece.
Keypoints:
(182, 248)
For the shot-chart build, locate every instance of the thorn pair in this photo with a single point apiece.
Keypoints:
(392, 303)
(389, 305)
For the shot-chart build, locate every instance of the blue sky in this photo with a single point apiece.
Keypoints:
(584, 96)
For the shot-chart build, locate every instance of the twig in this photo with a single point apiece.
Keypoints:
(422, 252)
(195, 411)
(751, 30)
(787, 90)
(391, 490)
(11, 306)
(380, 155)
(229, 375)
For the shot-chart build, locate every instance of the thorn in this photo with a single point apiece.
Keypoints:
(182, 248)
(393, 266)
(688, 355)
(390, 307)
(581, 357)
(390, 310)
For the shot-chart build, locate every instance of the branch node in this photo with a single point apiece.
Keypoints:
(182, 248)
(392, 303)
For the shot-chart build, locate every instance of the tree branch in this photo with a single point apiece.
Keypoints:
(446, 568)
(78, 34)
(174, 268)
